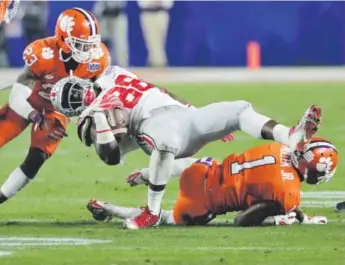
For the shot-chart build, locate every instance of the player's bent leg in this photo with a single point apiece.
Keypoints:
(190, 207)
(296, 138)
(22, 175)
(160, 169)
(164, 142)
(42, 147)
(141, 176)
(11, 124)
(103, 211)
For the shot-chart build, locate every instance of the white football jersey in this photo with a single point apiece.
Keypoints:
(138, 97)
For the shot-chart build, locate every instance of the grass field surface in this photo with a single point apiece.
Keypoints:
(47, 222)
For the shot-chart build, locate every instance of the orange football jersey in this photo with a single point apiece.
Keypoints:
(3, 8)
(261, 173)
(43, 57)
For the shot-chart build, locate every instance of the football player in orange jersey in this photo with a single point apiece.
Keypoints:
(8, 9)
(263, 183)
(76, 48)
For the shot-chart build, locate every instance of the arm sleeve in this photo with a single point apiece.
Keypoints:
(105, 143)
(18, 100)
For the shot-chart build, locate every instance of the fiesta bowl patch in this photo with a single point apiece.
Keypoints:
(93, 67)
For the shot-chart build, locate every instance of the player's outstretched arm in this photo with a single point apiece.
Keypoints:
(20, 92)
(141, 176)
(261, 213)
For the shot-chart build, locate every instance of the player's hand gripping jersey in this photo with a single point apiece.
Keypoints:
(259, 174)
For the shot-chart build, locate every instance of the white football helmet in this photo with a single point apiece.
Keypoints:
(71, 95)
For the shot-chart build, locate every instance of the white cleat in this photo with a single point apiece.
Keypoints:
(301, 134)
(98, 210)
(137, 178)
(145, 219)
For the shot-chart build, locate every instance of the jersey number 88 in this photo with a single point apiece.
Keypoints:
(128, 89)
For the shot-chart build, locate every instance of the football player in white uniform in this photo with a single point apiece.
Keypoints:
(163, 127)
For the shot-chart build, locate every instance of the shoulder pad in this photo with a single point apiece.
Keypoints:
(103, 59)
(40, 55)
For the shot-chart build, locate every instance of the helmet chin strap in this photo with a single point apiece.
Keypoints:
(61, 57)
(73, 56)
(78, 59)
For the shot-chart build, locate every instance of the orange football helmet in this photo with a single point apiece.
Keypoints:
(318, 163)
(77, 32)
(8, 9)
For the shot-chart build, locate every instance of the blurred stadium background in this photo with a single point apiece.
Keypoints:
(203, 33)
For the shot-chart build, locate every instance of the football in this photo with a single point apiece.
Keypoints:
(118, 121)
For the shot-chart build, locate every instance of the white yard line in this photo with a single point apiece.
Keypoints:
(328, 203)
(5, 253)
(220, 75)
(311, 199)
(12, 241)
(218, 248)
(324, 194)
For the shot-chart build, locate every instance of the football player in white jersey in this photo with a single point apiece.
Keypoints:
(163, 127)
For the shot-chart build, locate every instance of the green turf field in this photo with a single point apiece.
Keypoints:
(53, 205)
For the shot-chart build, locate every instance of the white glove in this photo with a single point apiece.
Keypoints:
(314, 220)
(287, 219)
(137, 177)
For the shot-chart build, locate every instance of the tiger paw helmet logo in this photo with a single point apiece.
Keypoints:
(67, 23)
(324, 164)
(47, 53)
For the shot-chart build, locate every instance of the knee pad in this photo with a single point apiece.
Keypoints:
(33, 162)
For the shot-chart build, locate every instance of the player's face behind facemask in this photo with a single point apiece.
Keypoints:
(72, 95)
(318, 163)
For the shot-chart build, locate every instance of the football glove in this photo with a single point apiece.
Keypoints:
(314, 220)
(287, 219)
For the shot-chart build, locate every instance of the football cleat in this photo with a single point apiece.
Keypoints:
(301, 134)
(98, 211)
(144, 220)
(340, 207)
(136, 178)
(228, 138)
